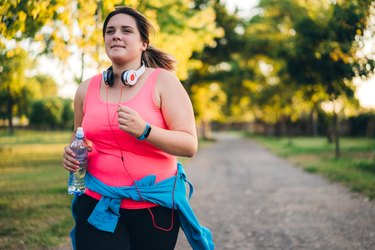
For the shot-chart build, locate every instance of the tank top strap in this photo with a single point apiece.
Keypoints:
(152, 79)
(94, 85)
(152, 83)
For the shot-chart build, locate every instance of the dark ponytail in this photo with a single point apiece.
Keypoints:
(156, 58)
(152, 57)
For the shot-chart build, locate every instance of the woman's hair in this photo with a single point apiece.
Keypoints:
(152, 56)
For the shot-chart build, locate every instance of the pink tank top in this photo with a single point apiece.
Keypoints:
(140, 157)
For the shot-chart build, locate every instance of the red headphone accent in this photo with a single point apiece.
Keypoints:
(128, 77)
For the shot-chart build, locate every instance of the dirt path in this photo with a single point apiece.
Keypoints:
(252, 199)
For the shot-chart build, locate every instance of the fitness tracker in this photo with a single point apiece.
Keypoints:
(145, 133)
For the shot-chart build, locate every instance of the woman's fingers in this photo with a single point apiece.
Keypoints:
(130, 121)
(69, 161)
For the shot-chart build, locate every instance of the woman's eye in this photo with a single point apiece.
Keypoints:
(126, 31)
(109, 31)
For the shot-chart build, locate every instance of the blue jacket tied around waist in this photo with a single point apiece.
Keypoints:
(107, 212)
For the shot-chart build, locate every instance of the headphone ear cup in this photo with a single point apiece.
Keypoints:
(123, 77)
(129, 77)
(108, 76)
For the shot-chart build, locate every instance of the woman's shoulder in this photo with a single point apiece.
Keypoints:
(167, 77)
(83, 87)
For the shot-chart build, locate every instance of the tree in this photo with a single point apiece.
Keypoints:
(20, 22)
(269, 40)
(318, 42)
(12, 83)
(330, 51)
(180, 28)
(61, 27)
(38, 87)
(221, 64)
(208, 101)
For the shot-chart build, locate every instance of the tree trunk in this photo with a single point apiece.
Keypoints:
(206, 130)
(82, 67)
(10, 103)
(99, 18)
(313, 124)
(336, 134)
(329, 128)
(289, 131)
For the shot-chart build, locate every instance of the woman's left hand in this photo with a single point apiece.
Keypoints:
(130, 121)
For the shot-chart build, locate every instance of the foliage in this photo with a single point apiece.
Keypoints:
(312, 49)
(12, 83)
(67, 116)
(221, 66)
(51, 113)
(208, 101)
(22, 22)
(62, 28)
(362, 124)
(17, 90)
(313, 44)
(47, 113)
(280, 64)
(180, 29)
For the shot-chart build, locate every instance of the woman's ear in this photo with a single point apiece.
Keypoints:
(144, 46)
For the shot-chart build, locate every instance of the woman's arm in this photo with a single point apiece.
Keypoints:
(69, 161)
(180, 138)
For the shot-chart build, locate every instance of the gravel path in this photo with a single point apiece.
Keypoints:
(252, 199)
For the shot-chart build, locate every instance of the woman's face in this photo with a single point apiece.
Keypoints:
(122, 39)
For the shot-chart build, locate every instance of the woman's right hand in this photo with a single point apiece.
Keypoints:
(70, 163)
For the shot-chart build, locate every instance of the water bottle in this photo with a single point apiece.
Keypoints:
(76, 183)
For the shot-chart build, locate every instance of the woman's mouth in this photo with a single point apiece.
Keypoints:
(117, 46)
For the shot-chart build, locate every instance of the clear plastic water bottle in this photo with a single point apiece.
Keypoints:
(76, 183)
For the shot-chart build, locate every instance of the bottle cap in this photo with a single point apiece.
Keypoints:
(79, 133)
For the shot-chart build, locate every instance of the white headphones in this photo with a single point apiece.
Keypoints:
(128, 77)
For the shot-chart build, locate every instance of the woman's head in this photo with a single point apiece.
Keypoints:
(150, 55)
(143, 25)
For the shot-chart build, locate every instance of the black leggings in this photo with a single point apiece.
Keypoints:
(134, 231)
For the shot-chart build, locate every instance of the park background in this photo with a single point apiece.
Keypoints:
(286, 73)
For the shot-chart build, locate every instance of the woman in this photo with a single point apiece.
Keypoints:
(136, 123)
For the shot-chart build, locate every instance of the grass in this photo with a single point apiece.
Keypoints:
(355, 168)
(34, 204)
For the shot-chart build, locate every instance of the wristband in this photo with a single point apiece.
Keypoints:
(145, 133)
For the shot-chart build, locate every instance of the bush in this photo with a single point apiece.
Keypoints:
(46, 113)
(52, 113)
(67, 117)
(362, 125)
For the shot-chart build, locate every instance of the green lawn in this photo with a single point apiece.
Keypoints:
(355, 168)
(34, 204)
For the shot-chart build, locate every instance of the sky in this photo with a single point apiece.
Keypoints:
(244, 6)
(365, 89)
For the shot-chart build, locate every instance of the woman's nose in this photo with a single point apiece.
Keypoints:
(116, 35)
